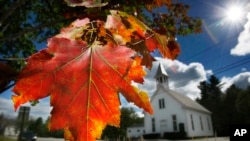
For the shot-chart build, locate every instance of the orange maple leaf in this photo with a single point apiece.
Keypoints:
(84, 69)
(134, 28)
(84, 82)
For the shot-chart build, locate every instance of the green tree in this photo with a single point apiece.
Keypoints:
(128, 118)
(37, 126)
(235, 108)
(243, 106)
(229, 113)
(211, 98)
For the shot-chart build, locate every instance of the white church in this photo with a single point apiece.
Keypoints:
(173, 112)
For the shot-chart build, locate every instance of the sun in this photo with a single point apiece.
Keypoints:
(234, 13)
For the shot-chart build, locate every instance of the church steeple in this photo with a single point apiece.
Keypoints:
(161, 76)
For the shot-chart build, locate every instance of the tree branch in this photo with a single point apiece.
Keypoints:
(12, 59)
(6, 88)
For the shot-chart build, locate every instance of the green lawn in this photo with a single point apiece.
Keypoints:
(2, 138)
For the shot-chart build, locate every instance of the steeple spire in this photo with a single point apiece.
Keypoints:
(161, 76)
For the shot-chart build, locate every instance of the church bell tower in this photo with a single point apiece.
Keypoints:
(161, 77)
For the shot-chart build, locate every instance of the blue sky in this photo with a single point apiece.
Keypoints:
(222, 49)
(213, 47)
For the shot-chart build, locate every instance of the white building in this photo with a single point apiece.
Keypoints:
(10, 131)
(135, 131)
(175, 112)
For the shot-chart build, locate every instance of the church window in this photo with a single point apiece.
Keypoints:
(153, 124)
(192, 121)
(174, 119)
(161, 103)
(201, 123)
(208, 122)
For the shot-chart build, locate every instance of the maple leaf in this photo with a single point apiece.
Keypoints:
(85, 67)
(83, 79)
(128, 30)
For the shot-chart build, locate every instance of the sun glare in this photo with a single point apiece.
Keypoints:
(234, 13)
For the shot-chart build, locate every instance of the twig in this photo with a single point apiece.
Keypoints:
(12, 59)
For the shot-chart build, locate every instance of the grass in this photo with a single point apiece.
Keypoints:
(2, 138)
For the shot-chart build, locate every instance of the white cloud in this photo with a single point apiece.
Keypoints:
(243, 46)
(42, 109)
(6, 108)
(241, 80)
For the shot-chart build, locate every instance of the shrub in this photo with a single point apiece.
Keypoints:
(152, 136)
(174, 135)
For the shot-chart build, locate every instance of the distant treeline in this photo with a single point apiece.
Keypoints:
(228, 108)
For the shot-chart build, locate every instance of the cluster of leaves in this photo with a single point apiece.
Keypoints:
(86, 66)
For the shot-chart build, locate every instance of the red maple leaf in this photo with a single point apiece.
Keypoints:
(85, 67)
(84, 82)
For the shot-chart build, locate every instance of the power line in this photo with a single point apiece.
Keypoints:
(232, 66)
(210, 48)
(219, 70)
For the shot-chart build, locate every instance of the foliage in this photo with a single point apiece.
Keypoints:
(90, 62)
(230, 107)
(152, 136)
(38, 127)
(41, 128)
(128, 118)
(211, 98)
(34, 21)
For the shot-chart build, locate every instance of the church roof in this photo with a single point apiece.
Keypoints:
(161, 71)
(185, 101)
(188, 102)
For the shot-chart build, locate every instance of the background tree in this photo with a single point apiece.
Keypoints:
(38, 126)
(128, 118)
(3, 123)
(243, 106)
(229, 113)
(228, 108)
(211, 98)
